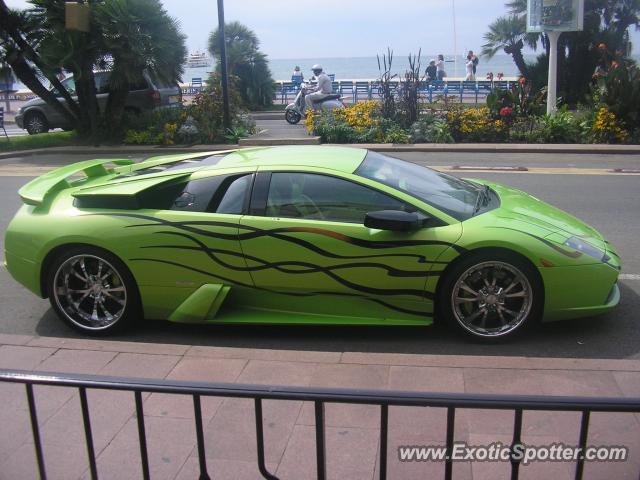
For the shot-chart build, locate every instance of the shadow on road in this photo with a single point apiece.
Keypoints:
(614, 335)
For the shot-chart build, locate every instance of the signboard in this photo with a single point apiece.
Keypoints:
(555, 15)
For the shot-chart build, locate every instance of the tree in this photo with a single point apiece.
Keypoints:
(125, 37)
(508, 33)
(606, 22)
(139, 36)
(246, 62)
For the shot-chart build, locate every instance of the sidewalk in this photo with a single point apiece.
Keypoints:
(352, 431)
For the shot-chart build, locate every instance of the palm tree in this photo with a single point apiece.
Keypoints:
(507, 33)
(138, 36)
(246, 62)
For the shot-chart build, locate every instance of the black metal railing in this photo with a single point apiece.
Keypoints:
(320, 397)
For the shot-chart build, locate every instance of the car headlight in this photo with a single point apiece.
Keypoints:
(586, 248)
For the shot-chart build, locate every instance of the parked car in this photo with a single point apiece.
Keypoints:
(36, 116)
(285, 235)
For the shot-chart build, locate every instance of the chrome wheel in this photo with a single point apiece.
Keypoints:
(491, 299)
(90, 292)
(35, 124)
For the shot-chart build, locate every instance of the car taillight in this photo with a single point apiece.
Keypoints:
(155, 98)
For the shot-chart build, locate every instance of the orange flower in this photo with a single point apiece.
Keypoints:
(602, 46)
(614, 64)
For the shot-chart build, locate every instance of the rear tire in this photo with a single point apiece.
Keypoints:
(292, 117)
(491, 296)
(35, 123)
(93, 291)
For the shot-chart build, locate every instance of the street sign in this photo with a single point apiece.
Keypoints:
(555, 15)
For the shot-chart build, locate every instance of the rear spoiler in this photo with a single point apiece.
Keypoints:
(35, 192)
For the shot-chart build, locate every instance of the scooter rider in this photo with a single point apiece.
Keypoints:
(323, 89)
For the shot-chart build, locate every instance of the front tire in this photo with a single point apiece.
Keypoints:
(93, 291)
(292, 117)
(35, 123)
(491, 296)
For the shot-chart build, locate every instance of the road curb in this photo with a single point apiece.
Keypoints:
(305, 356)
(388, 148)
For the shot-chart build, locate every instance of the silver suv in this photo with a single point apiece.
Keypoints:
(36, 116)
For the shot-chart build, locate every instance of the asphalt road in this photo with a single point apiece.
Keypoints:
(609, 203)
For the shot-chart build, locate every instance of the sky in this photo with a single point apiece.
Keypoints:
(344, 28)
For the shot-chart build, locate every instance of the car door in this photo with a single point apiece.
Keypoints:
(305, 238)
(186, 237)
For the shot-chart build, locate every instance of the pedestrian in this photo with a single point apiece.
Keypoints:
(432, 71)
(475, 60)
(297, 76)
(470, 75)
(440, 68)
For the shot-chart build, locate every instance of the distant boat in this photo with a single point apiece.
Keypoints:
(198, 60)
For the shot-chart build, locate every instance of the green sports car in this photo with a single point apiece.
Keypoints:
(287, 235)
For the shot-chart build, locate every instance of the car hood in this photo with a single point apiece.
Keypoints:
(524, 212)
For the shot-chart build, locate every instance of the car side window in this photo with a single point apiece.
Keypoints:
(322, 197)
(218, 194)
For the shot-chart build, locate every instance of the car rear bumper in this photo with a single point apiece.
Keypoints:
(579, 291)
(25, 272)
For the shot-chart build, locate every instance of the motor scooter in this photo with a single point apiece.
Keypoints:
(294, 111)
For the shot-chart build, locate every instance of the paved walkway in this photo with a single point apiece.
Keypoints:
(352, 431)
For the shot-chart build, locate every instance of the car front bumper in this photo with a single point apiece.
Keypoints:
(579, 291)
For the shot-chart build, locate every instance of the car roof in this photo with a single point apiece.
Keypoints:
(344, 159)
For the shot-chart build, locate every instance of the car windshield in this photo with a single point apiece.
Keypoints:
(451, 195)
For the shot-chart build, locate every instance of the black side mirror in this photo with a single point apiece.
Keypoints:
(394, 220)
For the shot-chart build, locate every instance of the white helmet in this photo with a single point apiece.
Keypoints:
(316, 67)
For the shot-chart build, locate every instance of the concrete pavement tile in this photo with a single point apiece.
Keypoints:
(62, 461)
(15, 431)
(231, 435)
(224, 469)
(200, 369)
(342, 415)
(23, 358)
(76, 361)
(110, 345)
(169, 443)
(502, 381)
(564, 426)
(350, 376)
(195, 369)
(491, 470)
(628, 383)
(423, 424)
(581, 383)
(497, 362)
(140, 365)
(265, 354)
(180, 406)
(617, 429)
(350, 454)
(12, 339)
(426, 379)
(109, 411)
(277, 373)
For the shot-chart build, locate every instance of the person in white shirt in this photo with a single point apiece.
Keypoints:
(297, 76)
(470, 64)
(440, 68)
(323, 88)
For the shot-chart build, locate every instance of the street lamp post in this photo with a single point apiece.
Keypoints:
(226, 116)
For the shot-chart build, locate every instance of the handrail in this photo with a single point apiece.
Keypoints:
(319, 397)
